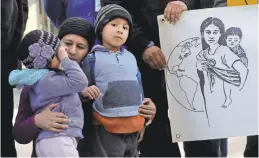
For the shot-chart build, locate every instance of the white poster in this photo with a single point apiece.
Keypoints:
(212, 72)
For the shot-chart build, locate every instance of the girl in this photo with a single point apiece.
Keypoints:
(53, 78)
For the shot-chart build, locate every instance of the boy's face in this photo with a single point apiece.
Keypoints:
(115, 33)
(233, 41)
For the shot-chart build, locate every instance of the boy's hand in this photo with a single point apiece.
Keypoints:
(62, 53)
(141, 135)
(174, 9)
(92, 92)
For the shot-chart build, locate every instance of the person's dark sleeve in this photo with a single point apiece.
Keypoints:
(25, 130)
(53, 9)
(190, 3)
(25, 9)
(9, 11)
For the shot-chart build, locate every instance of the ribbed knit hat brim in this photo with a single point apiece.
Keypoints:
(78, 26)
(108, 13)
(40, 37)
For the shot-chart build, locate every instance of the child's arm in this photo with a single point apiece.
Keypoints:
(90, 92)
(243, 71)
(139, 77)
(73, 81)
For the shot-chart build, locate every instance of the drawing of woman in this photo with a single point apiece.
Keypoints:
(216, 62)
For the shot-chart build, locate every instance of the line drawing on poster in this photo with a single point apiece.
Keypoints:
(222, 58)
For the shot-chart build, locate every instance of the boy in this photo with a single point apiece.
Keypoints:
(233, 37)
(114, 71)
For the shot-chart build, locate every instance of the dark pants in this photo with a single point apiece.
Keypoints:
(7, 139)
(224, 147)
(106, 144)
(204, 148)
(251, 149)
(157, 141)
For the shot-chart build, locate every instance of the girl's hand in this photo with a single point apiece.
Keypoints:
(62, 53)
(92, 92)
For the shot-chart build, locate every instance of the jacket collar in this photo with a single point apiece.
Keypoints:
(101, 48)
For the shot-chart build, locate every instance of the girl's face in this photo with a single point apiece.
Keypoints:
(211, 34)
(76, 46)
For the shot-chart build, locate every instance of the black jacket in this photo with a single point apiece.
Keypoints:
(13, 23)
(144, 14)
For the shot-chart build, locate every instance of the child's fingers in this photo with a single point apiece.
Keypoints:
(90, 94)
(95, 92)
(98, 91)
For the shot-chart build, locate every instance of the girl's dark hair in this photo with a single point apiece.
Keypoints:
(217, 22)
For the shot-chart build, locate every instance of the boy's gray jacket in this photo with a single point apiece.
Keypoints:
(116, 75)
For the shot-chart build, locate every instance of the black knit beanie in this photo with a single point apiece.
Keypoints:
(37, 49)
(78, 26)
(108, 13)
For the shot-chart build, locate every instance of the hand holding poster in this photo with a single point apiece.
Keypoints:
(212, 72)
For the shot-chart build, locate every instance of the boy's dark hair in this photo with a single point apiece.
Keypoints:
(233, 31)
